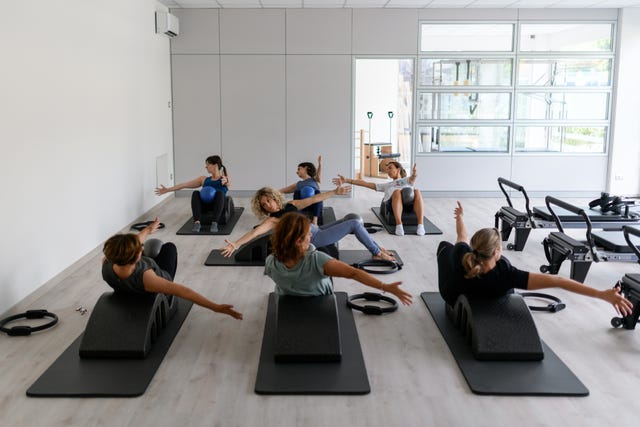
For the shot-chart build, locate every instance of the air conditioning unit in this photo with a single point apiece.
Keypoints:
(167, 24)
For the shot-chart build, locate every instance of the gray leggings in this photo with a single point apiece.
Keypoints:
(333, 232)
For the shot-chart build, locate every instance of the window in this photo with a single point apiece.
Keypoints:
(438, 37)
(549, 92)
(570, 37)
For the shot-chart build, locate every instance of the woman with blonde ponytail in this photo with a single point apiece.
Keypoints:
(476, 267)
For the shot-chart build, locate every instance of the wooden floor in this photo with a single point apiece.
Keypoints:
(208, 376)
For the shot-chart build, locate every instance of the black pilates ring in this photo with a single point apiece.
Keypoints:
(24, 330)
(372, 309)
(553, 307)
(372, 228)
(139, 226)
(393, 266)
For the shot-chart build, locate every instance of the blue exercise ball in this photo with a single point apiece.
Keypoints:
(307, 191)
(207, 194)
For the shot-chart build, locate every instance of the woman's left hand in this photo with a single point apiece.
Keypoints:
(394, 288)
(229, 249)
(620, 303)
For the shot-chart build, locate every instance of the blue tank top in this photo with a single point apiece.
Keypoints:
(217, 184)
(309, 182)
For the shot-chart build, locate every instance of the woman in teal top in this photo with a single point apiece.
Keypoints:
(298, 269)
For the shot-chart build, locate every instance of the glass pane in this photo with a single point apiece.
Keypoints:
(562, 106)
(561, 139)
(463, 138)
(466, 37)
(463, 106)
(581, 37)
(383, 110)
(475, 72)
(564, 72)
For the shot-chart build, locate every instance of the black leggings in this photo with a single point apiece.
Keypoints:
(167, 259)
(216, 207)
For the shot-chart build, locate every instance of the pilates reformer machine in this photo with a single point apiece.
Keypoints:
(600, 246)
(605, 213)
(630, 286)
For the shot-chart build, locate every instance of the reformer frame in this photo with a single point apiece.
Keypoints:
(511, 218)
(559, 247)
(630, 286)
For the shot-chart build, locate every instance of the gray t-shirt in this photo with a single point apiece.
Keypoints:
(305, 279)
(133, 283)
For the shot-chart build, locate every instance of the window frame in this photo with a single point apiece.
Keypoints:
(515, 89)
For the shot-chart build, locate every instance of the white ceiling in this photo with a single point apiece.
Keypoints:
(415, 4)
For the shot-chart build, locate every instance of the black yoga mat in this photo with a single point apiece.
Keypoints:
(223, 230)
(548, 377)
(429, 227)
(71, 376)
(349, 376)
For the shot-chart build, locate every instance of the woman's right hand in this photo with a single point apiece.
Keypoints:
(229, 249)
(394, 288)
(342, 190)
(161, 190)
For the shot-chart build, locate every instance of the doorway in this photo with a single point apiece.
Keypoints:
(383, 114)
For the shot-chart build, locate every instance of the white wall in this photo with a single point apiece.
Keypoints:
(317, 45)
(85, 89)
(624, 170)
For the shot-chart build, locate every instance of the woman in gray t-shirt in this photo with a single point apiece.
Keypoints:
(126, 270)
(298, 269)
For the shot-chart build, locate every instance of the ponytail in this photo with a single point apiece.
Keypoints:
(484, 243)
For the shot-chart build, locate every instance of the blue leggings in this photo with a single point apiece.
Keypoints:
(333, 232)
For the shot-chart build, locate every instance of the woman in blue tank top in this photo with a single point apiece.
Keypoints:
(308, 186)
(219, 180)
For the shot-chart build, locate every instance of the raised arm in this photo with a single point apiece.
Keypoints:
(154, 283)
(461, 229)
(318, 177)
(414, 175)
(303, 203)
(230, 247)
(359, 182)
(149, 229)
(194, 183)
(340, 269)
(611, 295)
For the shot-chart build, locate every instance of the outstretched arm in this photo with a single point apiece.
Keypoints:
(194, 183)
(154, 283)
(461, 229)
(230, 247)
(303, 203)
(149, 229)
(340, 269)
(611, 295)
(359, 182)
(318, 177)
(288, 189)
